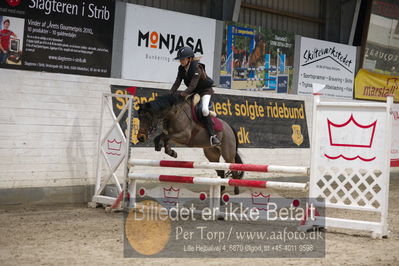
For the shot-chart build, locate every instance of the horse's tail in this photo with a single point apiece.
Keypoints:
(237, 158)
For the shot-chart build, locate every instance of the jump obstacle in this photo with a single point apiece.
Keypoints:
(349, 168)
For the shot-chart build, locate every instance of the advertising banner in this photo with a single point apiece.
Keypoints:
(61, 36)
(327, 63)
(259, 122)
(373, 86)
(256, 58)
(150, 45)
(381, 53)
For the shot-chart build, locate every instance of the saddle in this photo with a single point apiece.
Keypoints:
(198, 117)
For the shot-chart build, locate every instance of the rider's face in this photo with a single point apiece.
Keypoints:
(6, 25)
(184, 61)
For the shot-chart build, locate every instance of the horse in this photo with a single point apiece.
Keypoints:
(256, 57)
(175, 114)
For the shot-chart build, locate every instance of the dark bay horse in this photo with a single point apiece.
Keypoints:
(179, 127)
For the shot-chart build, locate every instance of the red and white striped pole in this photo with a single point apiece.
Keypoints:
(219, 181)
(222, 166)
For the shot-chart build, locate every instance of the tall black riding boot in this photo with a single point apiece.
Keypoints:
(211, 130)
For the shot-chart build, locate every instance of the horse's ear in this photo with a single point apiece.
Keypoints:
(144, 107)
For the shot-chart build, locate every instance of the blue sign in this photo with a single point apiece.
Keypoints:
(225, 82)
(282, 84)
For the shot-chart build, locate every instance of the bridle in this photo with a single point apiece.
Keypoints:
(153, 122)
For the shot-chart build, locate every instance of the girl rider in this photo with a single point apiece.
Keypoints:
(195, 78)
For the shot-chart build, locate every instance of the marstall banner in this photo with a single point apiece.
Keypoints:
(153, 36)
(256, 58)
(259, 122)
(327, 63)
(63, 36)
(374, 86)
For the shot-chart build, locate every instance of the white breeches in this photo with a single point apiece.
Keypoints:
(205, 104)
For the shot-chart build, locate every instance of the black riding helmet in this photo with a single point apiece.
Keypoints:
(184, 52)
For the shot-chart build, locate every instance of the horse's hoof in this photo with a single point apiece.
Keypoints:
(174, 154)
(158, 148)
(236, 190)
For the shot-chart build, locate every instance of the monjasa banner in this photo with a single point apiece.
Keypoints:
(64, 36)
(259, 122)
(150, 45)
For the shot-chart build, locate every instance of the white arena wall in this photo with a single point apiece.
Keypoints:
(49, 133)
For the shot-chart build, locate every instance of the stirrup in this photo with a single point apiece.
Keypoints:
(215, 141)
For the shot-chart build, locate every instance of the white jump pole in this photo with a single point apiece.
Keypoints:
(222, 166)
(219, 181)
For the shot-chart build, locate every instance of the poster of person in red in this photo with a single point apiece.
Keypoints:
(5, 37)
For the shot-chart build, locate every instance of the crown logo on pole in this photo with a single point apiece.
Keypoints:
(171, 193)
(260, 199)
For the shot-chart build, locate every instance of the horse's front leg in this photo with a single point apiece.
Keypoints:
(168, 148)
(157, 142)
(180, 137)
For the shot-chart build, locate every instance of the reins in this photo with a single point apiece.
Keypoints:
(181, 108)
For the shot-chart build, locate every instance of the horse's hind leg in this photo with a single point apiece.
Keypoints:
(213, 155)
(229, 154)
(236, 175)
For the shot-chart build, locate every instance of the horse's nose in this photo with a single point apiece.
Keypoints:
(141, 137)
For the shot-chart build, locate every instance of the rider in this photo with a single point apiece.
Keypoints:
(194, 76)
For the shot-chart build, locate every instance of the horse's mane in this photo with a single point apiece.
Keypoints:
(163, 103)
